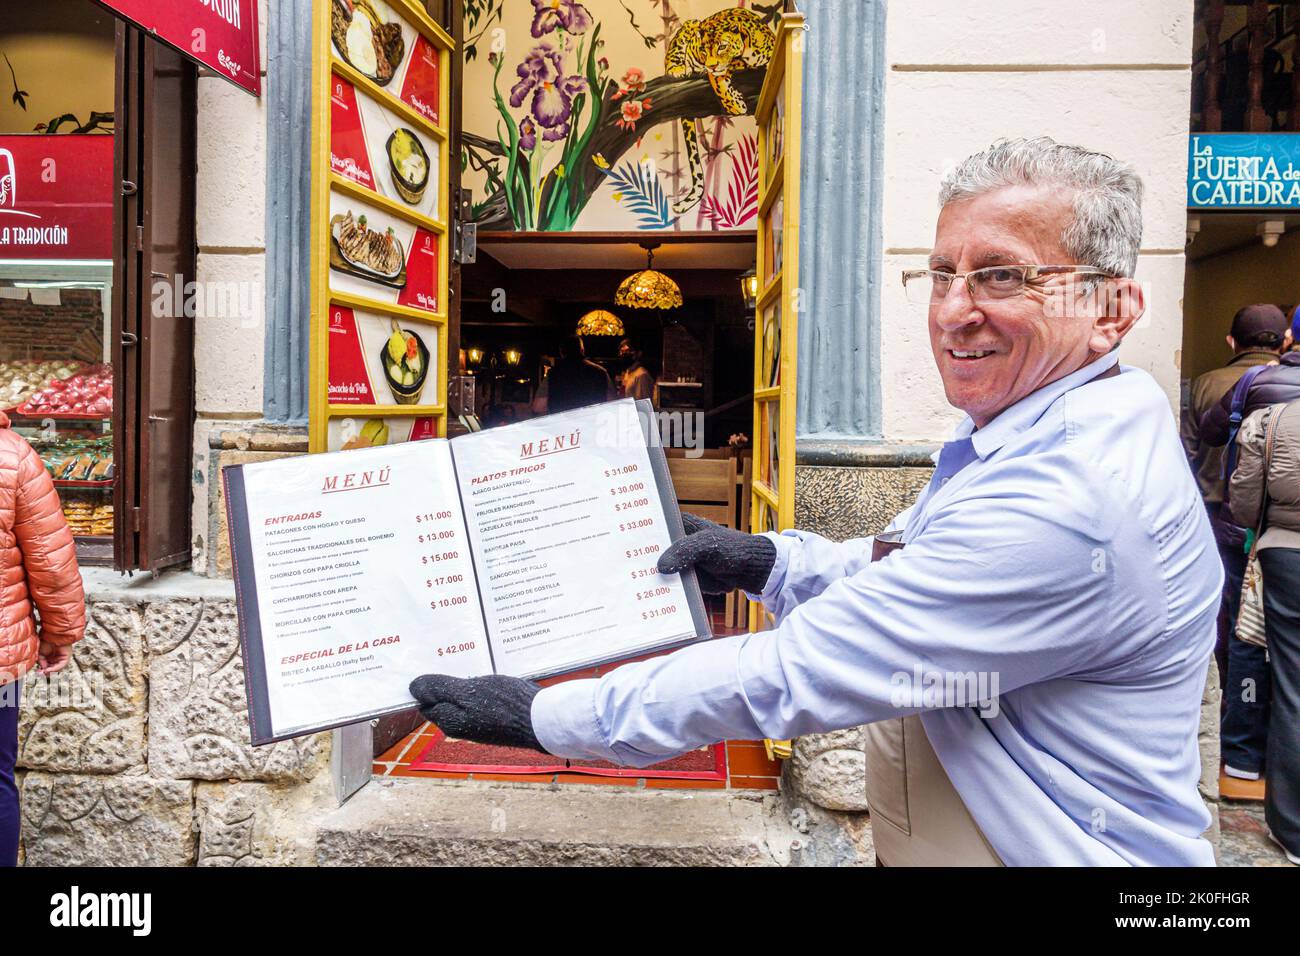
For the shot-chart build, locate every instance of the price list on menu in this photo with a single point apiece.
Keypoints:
(363, 580)
(527, 550)
(567, 522)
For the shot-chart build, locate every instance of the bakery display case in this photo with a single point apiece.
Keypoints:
(56, 387)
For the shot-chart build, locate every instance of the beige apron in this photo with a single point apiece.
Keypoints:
(917, 816)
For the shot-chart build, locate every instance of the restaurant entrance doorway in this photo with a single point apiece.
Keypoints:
(547, 214)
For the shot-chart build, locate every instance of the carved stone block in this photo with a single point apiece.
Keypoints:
(89, 717)
(198, 713)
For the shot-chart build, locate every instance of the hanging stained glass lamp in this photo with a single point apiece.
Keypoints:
(599, 322)
(648, 289)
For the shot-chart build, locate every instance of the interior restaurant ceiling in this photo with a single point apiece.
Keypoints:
(1222, 232)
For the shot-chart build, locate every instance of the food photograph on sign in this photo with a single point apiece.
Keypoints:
(375, 41)
(348, 433)
(381, 360)
(375, 148)
(377, 255)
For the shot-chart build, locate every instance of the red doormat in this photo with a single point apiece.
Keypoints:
(464, 756)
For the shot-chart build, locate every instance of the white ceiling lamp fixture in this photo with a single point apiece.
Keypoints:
(1270, 230)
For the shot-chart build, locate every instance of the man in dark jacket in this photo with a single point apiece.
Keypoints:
(1280, 383)
(1247, 689)
(574, 381)
(1258, 335)
(1258, 332)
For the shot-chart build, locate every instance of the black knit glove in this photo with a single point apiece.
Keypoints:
(723, 559)
(491, 710)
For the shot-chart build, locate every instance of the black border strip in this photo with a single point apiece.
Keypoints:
(250, 623)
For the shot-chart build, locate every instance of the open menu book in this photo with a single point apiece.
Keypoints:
(526, 550)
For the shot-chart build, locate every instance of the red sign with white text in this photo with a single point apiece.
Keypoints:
(349, 156)
(421, 289)
(219, 34)
(420, 86)
(56, 197)
(349, 384)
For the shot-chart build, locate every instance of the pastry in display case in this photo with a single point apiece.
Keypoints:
(21, 379)
(88, 518)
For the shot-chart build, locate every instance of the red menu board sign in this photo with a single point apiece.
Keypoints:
(420, 85)
(349, 155)
(349, 383)
(421, 289)
(56, 197)
(219, 34)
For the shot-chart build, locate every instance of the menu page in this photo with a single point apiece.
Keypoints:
(566, 520)
(363, 581)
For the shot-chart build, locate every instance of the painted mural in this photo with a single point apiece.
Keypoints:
(614, 115)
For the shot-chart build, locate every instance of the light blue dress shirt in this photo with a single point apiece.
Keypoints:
(1061, 555)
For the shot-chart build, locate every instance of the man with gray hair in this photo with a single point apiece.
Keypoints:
(1058, 562)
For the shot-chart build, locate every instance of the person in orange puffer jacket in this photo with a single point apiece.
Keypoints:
(38, 569)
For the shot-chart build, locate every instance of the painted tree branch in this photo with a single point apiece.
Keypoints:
(671, 100)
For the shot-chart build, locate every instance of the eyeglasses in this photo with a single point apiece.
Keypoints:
(990, 284)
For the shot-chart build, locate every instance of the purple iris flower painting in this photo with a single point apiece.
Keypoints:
(527, 134)
(542, 74)
(550, 15)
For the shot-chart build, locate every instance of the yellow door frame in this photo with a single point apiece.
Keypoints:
(326, 65)
(776, 324)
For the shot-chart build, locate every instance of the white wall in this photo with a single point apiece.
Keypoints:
(230, 214)
(1111, 75)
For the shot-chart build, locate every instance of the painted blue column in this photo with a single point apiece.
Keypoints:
(840, 244)
(288, 205)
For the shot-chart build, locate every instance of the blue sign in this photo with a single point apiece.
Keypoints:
(1243, 171)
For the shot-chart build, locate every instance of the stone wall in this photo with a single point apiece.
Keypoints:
(230, 268)
(138, 753)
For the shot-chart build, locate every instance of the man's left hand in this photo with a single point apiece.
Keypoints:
(493, 710)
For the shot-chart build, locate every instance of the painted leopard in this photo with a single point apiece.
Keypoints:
(717, 46)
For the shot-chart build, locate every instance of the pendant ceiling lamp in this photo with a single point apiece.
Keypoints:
(648, 289)
(599, 322)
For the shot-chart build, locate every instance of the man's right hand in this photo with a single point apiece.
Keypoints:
(724, 559)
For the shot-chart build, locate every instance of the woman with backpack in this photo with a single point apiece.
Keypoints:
(1264, 494)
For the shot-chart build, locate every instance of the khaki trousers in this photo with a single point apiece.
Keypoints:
(917, 816)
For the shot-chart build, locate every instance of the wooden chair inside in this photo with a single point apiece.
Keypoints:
(706, 487)
(698, 453)
(745, 490)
